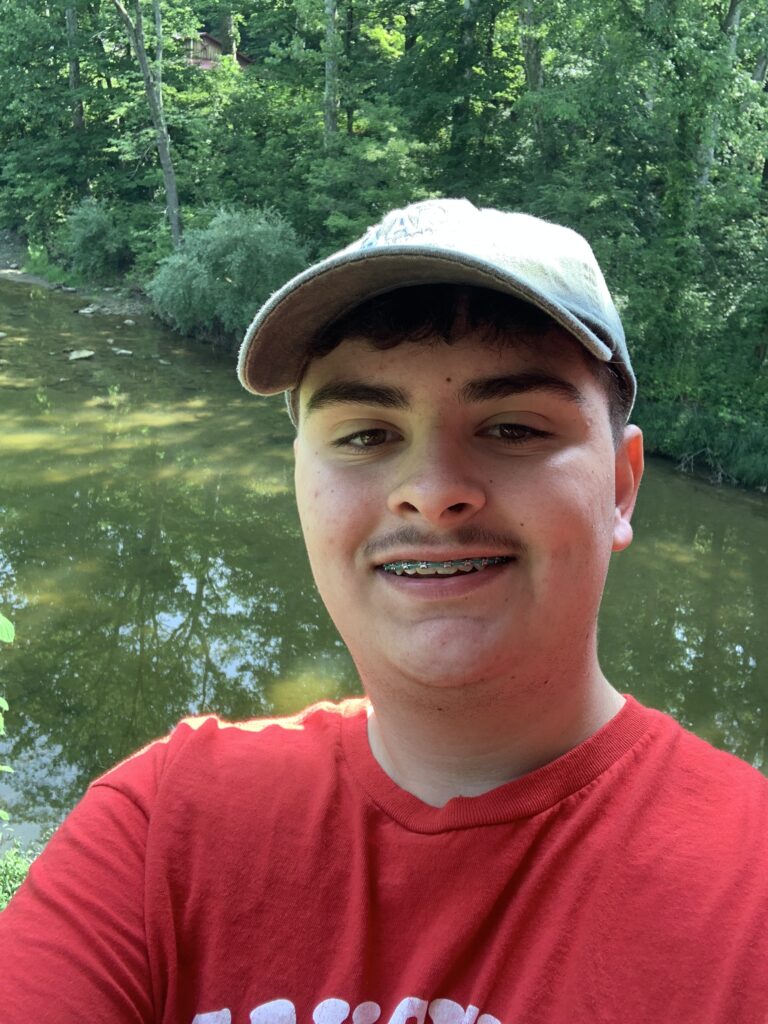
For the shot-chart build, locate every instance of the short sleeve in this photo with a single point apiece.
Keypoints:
(73, 937)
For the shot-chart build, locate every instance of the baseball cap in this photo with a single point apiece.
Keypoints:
(437, 241)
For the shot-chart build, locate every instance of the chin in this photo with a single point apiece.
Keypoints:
(447, 667)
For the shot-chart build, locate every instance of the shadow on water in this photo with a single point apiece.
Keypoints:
(151, 560)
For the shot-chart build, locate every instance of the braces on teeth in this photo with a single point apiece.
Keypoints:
(449, 568)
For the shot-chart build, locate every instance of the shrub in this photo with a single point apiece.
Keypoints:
(213, 285)
(94, 242)
(729, 449)
(14, 866)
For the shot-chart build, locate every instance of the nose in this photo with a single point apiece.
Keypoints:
(438, 484)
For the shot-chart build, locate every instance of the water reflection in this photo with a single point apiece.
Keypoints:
(151, 560)
(683, 619)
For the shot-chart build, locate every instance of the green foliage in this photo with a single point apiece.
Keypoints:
(39, 262)
(642, 125)
(215, 283)
(7, 636)
(352, 185)
(708, 441)
(14, 865)
(94, 243)
(7, 632)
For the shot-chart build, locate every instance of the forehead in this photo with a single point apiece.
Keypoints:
(553, 353)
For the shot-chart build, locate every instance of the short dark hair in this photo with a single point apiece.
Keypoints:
(446, 311)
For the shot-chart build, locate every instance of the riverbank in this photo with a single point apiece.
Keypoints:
(111, 301)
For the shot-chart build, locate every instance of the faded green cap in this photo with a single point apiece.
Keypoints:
(438, 241)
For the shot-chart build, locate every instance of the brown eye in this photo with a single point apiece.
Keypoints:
(370, 438)
(514, 432)
(365, 438)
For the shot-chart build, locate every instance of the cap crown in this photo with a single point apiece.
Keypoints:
(448, 241)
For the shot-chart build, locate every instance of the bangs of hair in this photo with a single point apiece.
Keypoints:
(446, 313)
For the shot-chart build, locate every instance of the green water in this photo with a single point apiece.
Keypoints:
(151, 560)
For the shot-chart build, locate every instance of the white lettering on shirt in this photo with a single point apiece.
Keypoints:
(411, 1010)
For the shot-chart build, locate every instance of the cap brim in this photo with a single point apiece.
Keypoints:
(274, 352)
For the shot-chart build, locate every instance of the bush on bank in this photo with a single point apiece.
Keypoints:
(94, 242)
(213, 285)
(705, 440)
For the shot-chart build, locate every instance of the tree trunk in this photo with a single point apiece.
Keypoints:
(730, 28)
(465, 60)
(331, 96)
(761, 69)
(152, 76)
(410, 30)
(158, 68)
(78, 114)
(530, 44)
(490, 36)
(229, 33)
(350, 33)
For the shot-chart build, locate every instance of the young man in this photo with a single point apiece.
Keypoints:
(495, 834)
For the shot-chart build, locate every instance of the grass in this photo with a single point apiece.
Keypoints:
(38, 263)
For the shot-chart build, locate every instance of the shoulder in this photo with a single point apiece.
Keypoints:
(207, 753)
(695, 764)
(686, 794)
(720, 784)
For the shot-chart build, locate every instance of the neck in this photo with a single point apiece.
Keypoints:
(438, 746)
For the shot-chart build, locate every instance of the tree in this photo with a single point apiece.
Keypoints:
(78, 116)
(331, 93)
(153, 87)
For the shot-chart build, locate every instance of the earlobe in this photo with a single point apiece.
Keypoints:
(628, 473)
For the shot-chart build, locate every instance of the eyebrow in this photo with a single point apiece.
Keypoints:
(518, 384)
(359, 392)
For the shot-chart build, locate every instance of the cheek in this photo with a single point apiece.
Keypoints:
(330, 508)
(309, 490)
(574, 515)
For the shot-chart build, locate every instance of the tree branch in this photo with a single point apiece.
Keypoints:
(126, 19)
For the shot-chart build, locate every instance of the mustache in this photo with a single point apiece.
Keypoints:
(462, 536)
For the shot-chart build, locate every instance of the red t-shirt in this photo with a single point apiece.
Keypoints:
(271, 873)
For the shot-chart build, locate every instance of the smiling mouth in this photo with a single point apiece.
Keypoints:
(452, 567)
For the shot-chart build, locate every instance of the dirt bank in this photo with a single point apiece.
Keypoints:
(110, 301)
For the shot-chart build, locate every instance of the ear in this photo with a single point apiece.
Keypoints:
(628, 473)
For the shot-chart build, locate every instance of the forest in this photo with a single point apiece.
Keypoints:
(201, 152)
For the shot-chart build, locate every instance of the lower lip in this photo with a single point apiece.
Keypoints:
(441, 587)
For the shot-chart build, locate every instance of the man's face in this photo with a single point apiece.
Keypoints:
(497, 460)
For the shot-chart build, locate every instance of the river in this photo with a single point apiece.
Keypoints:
(151, 561)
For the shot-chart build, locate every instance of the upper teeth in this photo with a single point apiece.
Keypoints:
(448, 568)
